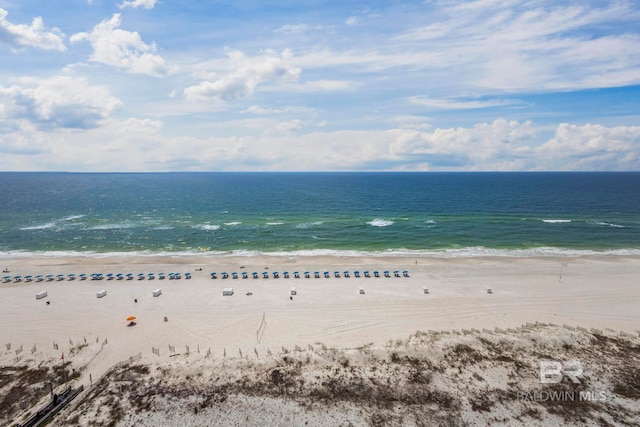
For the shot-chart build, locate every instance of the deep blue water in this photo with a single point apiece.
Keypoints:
(444, 214)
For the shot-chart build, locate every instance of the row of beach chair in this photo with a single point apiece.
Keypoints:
(307, 274)
(95, 276)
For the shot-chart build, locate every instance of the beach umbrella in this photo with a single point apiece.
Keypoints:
(131, 318)
(187, 275)
(82, 276)
(7, 278)
(49, 277)
(39, 278)
(28, 278)
(71, 276)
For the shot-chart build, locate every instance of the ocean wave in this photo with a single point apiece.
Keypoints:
(72, 217)
(39, 226)
(275, 223)
(556, 221)
(233, 223)
(608, 224)
(469, 252)
(309, 224)
(113, 226)
(378, 222)
(207, 227)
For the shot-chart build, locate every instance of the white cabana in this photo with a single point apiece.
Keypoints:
(293, 291)
(41, 295)
(227, 292)
(361, 290)
(489, 290)
(102, 293)
(425, 290)
(157, 292)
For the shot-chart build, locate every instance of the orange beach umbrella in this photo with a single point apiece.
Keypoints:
(130, 318)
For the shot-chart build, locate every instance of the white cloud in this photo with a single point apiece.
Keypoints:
(243, 75)
(453, 104)
(122, 49)
(593, 147)
(19, 36)
(57, 102)
(146, 4)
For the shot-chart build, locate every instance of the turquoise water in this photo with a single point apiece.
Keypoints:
(440, 214)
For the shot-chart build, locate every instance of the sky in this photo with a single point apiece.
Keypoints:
(319, 85)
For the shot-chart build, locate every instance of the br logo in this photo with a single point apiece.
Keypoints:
(552, 371)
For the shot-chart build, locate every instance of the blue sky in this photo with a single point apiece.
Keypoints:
(160, 85)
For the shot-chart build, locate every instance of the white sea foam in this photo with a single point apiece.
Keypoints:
(607, 224)
(233, 223)
(430, 221)
(275, 223)
(39, 226)
(555, 221)
(72, 217)
(309, 224)
(113, 226)
(470, 252)
(378, 222)
(207, 227)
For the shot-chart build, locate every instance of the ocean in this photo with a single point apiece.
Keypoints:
(345, 214)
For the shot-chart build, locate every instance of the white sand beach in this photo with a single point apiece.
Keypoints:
(599, 292)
